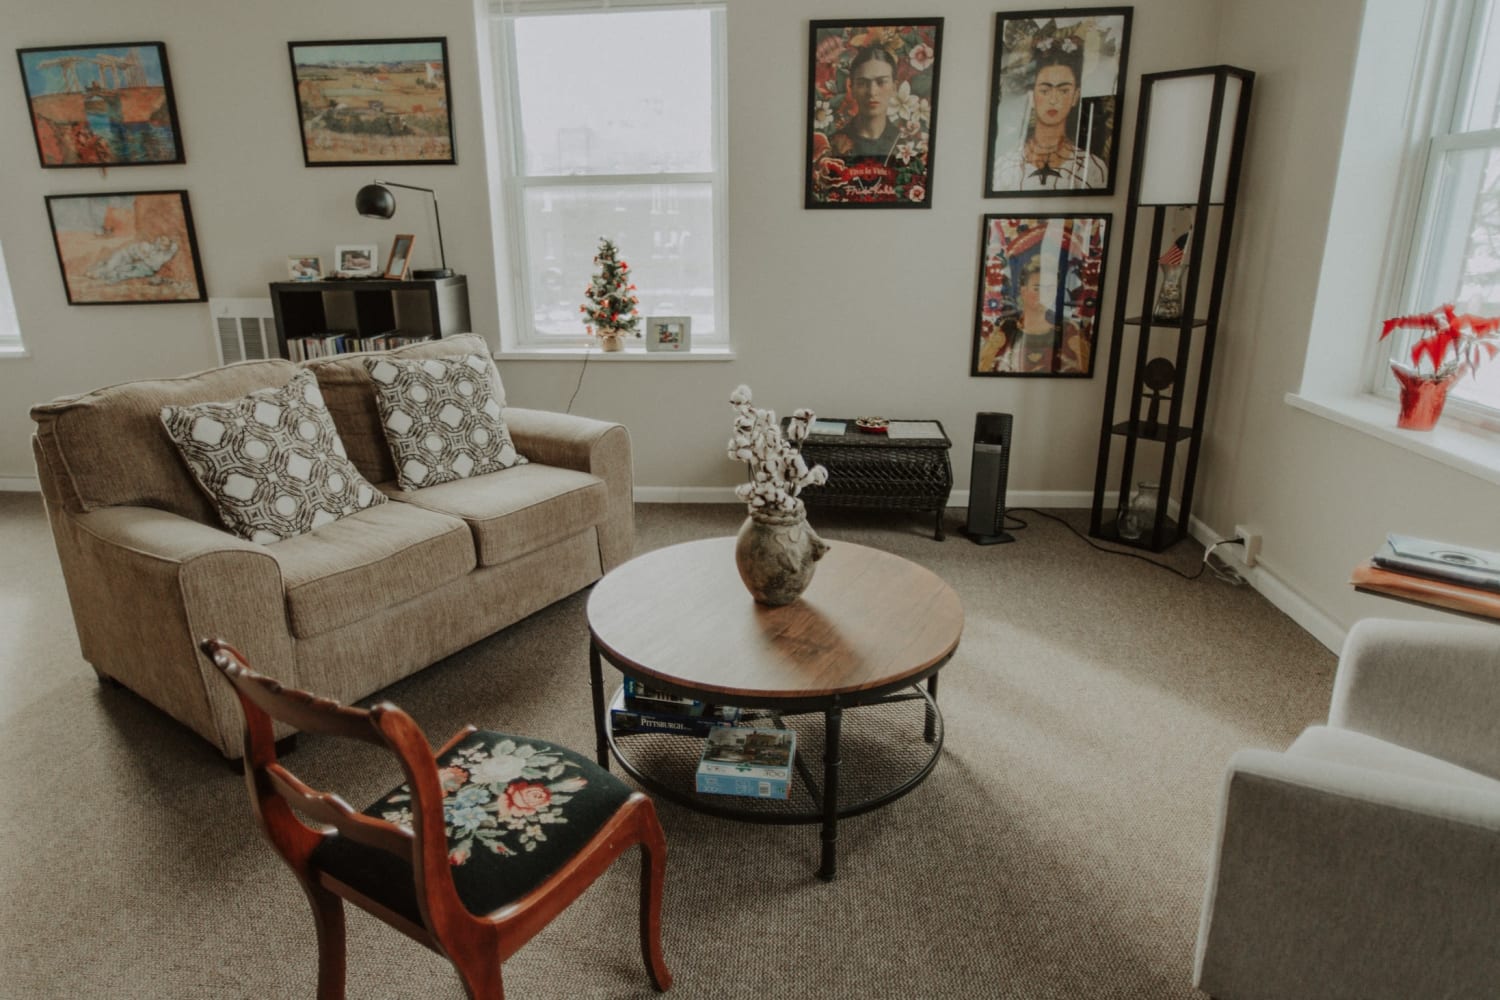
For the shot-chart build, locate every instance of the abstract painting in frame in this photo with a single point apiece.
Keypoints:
(104, 105)
(872, 112)
(1056, 85)
(378, 101)
(130, 248)
(1040, 281)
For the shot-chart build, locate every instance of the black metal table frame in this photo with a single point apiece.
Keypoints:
(833, 708)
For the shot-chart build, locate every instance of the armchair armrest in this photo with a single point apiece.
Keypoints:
(146, 585)
(1333, 881)
(586, 445)
(1432, 687)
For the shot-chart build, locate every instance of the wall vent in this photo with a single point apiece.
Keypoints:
(244, 329)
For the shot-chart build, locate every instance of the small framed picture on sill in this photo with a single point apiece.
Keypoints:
(304, 267)
(356, 260)
(669, 333)
(395, 268)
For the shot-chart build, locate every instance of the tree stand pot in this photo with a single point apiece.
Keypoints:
(776, 555)
(611, 342)
(1422, 398)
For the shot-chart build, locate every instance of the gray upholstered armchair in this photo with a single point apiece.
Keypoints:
(1364, 862)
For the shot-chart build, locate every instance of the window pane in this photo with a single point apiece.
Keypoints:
(616, 93)
(10, 333)
(664, 231)
(1482, 109)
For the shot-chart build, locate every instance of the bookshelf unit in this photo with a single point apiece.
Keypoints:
(364, 308)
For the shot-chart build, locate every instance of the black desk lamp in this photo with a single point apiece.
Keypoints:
(375, 201)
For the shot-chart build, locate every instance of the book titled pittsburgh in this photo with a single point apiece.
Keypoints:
(748, 761)
(650, 711)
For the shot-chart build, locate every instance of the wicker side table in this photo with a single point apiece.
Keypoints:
(876, 470)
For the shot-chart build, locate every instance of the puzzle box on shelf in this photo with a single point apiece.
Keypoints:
(649, 711)
(744, 760)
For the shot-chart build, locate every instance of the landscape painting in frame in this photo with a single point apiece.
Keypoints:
(104, 105)
(872, 112)
(126, 249)
(379, 101)
(1056, 86)
(1040, 280)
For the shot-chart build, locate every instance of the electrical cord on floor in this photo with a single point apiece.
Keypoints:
(586, 352)
(1225, 573)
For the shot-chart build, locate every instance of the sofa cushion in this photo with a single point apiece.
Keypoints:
(107, 448)
(271, 461)
(441, 419)
(350, 397)
(370, 561)
(1346, 746)
(516, 511)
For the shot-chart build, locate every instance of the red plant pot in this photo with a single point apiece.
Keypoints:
(1422, 399)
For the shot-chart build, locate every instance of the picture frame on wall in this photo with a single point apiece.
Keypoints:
(669, 333)
(129, 248)
(356, 260)
(304, 267)
(872, 93)
(104, 104)
(1057, 82)
(377, 101)
(1041, 278)
(400, 259)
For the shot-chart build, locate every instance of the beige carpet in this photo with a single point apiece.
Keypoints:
(1058, 850)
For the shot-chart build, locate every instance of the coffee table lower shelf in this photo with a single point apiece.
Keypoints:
(886, 747)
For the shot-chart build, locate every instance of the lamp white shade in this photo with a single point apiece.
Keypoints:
(1176, 135)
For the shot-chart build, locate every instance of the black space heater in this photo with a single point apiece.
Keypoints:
(987, 477)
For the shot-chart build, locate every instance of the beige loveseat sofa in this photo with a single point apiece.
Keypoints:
(344, 610)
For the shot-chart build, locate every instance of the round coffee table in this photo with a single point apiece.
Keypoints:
(867, 632)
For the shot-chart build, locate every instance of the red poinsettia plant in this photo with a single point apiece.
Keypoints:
(1458, 342)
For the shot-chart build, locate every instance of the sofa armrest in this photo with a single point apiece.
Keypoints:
(1430, 686)
(586, 445)
(1335, 881)
(146, 585)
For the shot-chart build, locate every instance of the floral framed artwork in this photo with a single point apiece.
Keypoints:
(1056, 85)
(304, 267)
(669, 333)
(376, 101)
(1040, 281)
(129, 248)
(872, 112)
(400, 259)
(101, 105)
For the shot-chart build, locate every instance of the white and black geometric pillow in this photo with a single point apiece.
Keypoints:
(272, 462)
(441, 419)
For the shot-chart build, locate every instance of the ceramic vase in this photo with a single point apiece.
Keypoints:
(776, 554)
(611, 341)
(1422, 398)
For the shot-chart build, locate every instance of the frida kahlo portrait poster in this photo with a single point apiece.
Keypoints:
(872, 112)
(127, 248)
(1040, 280)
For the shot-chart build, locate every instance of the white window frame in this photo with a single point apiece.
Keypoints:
(514, 280)
(1445, 75)
(11, 345)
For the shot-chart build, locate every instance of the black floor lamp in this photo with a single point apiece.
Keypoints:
(375, 201)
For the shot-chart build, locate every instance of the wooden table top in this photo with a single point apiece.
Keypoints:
(681, 614)
(1419, 590)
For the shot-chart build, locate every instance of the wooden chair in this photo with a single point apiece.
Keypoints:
(490, 838)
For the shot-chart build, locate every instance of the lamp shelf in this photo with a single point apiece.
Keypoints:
(1163, 323)
(1109, 531)
(1161, 432)
(370, 307)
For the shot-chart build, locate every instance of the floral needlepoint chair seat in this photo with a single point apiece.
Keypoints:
(515, 811)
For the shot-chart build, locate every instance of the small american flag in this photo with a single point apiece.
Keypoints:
(1174, 253)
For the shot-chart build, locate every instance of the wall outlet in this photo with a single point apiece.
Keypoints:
(1249, 553)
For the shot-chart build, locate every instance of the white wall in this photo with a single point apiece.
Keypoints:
(852, 313)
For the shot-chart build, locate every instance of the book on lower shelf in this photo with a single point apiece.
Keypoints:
(648, 710)
(329, 343)
(747, 761)
(1444, 561)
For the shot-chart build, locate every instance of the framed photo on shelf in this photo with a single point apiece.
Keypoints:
(400, 259)
(129, 248)
(101, 105)
(376, 101)
(872, 91)
(356, 260)
(304, 267)
(1056, 84)
(1040, 282)
(669, 333)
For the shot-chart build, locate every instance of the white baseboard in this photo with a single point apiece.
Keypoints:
(20, 484)
(1056, 499)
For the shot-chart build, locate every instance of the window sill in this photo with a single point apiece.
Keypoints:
(628, 354)
(8, 352)
(1452, 444)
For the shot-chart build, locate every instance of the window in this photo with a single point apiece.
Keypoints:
(615, 130)
(1457, 236)
(10, 330)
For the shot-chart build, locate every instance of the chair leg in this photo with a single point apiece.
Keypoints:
(481, 977)
(653, 877)
(328, 914)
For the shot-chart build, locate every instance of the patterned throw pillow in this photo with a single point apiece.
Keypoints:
(441, 419)
(272, 462)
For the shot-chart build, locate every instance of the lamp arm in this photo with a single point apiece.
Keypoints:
(442, 254)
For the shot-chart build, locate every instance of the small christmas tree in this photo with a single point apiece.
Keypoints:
(609, 301)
